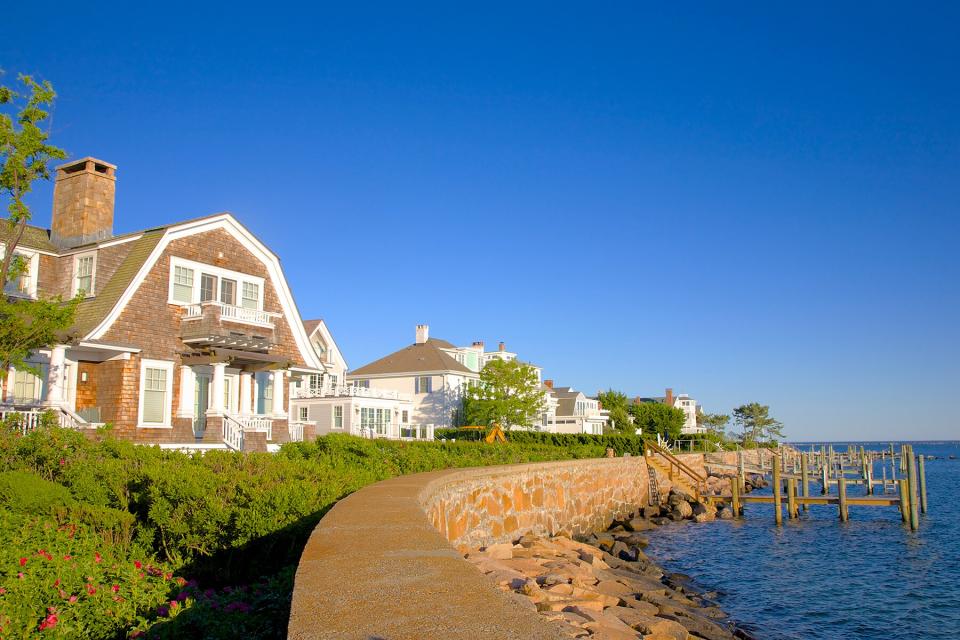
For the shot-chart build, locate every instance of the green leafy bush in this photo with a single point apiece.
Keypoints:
(234, 524)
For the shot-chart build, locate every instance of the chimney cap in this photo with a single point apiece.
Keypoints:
(502, 346)
(84, 160)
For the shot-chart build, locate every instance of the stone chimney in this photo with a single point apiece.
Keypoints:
(502, 346)
(668, 397)
(83, 196)
(478, 344)
(548, 384)
(423, 333)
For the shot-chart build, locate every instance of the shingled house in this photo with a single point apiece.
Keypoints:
(187, 335)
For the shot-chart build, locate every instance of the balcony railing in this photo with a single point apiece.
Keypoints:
(349, 391)
(29, 417)
(231, 313)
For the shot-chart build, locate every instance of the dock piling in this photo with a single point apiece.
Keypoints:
(777, 514)
(842, 490)
(923, 486)
(792, 498)
(912, 489)
(735, 499)
(805, 478)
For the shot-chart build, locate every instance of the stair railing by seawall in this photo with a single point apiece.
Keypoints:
(676, 468)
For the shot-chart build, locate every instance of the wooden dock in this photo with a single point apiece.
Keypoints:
(831, 469)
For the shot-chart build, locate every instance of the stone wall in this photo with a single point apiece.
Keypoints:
(486, 506)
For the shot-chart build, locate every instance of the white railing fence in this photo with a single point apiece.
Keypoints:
(349, 391)
(296, 431)
(31, 418)
(232, 433)
(231, 312)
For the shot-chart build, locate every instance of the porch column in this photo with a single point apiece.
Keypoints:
(216, 389)
(279, 391)
(56, 378)
(188, 388)
(246, 393)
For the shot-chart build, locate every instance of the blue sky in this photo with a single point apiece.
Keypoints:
(741, 203)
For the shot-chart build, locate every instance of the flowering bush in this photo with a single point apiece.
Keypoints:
(92, 533)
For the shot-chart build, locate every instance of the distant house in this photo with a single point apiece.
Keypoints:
(573, 411)
(683, 402)
(432, 374)
(187, 335)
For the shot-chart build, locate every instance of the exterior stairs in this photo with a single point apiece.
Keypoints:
(685, 479)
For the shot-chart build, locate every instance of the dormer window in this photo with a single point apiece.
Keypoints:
(84, 268)
(25, 283)
(194, 282)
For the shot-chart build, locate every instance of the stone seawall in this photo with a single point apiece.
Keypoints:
(485, 506)
(383, 563)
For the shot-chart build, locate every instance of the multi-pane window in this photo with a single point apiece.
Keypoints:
(183, 284)
(208, 287)
(377, 420)
(84, 275)
(27, 387)
(251, 295)
(406, 417)
(304, 413)
(334, 379)
(338, 417)
(315, 382)
(228, 292)
(365, 384)
(226, 394)
(423, 384)
(154, 395)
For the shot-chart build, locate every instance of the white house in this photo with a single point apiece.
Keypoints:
(683, 402)
(431, 374)
(336, 405)
(573, 412)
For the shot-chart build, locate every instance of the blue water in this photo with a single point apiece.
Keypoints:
(816, 577)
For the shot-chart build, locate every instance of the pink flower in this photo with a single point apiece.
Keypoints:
(137, 564)
(174, 604)
(72, 599)
(48, 623)
(97, 558)
(68, 557)
(91, 589)
(20, 575)
(23, 562)
(115, 588)
(2, 591)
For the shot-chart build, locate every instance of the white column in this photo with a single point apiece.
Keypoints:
(56, 380)
(216, 389)
(279, 386)
(246, 393)
(188, 389)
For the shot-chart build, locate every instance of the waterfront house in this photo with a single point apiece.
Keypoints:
(432, 374)
(187, 334)
(681, 401)
(571, 411)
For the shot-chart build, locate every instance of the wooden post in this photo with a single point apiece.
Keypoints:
(842, 491)
(904, 500)
(777, 514)
(912, 489)
(884, 470)
(923, 487)
(735, 499)
(805, 479)
(741, 471)
(792, 498)
(870, 481)
(824, 471)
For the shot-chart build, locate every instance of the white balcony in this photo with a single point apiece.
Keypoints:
(231, 313)
(350, 391)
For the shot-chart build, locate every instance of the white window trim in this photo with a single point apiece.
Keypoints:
(168, 405)
(75, 289)
(333, 416)
(33, 267)
(199, 268)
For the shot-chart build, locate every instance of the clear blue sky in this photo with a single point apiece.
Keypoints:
(740, 202)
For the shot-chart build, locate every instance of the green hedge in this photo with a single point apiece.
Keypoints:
(101, 538)
(621, 443)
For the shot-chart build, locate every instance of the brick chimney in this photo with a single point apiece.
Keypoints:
(502, 346)
(83, 197)
(478, 345)
(548, 384)
(423, 333)
(668, 397)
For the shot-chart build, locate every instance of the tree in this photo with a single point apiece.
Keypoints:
(756, 424)
(714, 423)
(619, 407)
(25, 325)
(508, 394)
(655, 417)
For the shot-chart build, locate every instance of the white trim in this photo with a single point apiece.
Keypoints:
(200, 268)
(32, 257)
(74, 288)
(107, 347)
(168, 399)
(229, 224)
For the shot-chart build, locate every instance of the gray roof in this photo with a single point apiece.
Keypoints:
(415, 358)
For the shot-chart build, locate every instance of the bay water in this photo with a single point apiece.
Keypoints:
(816, 577)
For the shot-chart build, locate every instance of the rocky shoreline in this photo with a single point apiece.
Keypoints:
(604, 587)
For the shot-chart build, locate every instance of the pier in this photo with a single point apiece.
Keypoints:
(793, 471)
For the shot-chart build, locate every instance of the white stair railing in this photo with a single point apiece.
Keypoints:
(232, 433)
(296, 432)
